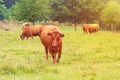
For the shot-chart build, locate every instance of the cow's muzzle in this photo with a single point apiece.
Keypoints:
(21, 37)
(54, 45)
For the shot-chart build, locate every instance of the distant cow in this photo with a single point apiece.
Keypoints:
(93, 28)
(51, 38)
(30, 31)
(85, 28)
(90, 28)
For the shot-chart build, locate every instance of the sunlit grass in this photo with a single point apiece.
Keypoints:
(84, 57)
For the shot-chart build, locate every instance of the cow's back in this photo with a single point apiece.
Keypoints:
(36, 30)
(93, 27)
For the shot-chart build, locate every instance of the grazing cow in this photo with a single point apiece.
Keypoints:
(90, 28)
(30, 31)
(51, 38)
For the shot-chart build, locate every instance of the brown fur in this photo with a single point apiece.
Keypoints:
(51, 38)
(85, 28)
(30, 31)
(90, 28)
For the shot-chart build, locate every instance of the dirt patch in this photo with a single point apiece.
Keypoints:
(4, 28)
(8, 26)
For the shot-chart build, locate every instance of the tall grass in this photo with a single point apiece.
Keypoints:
(84, 57)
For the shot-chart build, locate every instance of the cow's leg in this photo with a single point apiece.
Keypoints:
(59, 55)
(54, 58)
(84, 32)
(87, 31)
(46, 50)
(27, 37)
(31, 35)
(96, 30)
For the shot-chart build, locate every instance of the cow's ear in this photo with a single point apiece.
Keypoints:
(61, 35)
(49, 34)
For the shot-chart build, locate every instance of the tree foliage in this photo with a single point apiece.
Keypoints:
(77, 10)
(111, 14)
(31, 10)
(90, 10)
(64, 10)
(3, 11)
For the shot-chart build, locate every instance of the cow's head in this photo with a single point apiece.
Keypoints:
(55, 38)
(25, 28)
(22, 37)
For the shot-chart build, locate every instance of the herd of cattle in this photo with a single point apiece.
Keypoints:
(51, 36)
(90, 28)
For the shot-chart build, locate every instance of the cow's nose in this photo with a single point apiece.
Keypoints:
(54, 45)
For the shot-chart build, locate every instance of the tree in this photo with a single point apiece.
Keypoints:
(76, 11)
(31, 10)
(65, 11)
(45, 11)
(111, 14)
(3, 10)
(90, 10)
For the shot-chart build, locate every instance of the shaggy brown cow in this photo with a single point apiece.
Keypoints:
(93, 28)
(90, 28)
(30, 31)
(85, 28)
(51, 38)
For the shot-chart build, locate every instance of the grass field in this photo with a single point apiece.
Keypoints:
(84, 57)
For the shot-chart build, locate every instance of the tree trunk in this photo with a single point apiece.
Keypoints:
(115, 26)
(75, 24)
(112, 27)
(33, 22)
(46, 22)
(33, 19)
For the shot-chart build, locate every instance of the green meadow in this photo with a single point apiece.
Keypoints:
(84, 56)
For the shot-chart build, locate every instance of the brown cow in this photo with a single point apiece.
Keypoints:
(90, 28)
(30, 31)
(93, 28)
(51, 38)
(85, 28)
